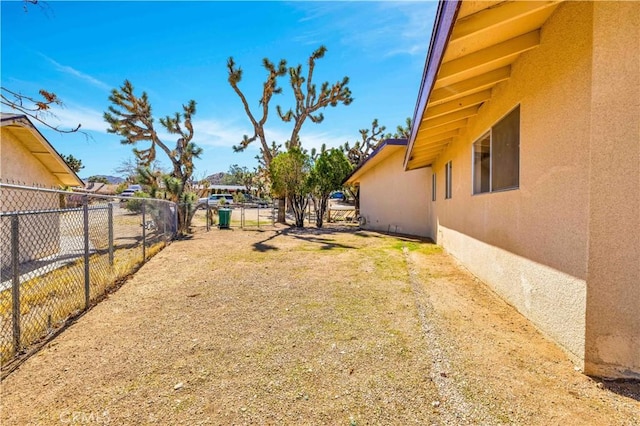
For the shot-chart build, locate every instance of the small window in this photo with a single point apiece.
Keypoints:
(447, 180)
(433, 187)
(496, 156)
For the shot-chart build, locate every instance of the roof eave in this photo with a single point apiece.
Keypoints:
(445, 18)
(23, 120)
(362, 167)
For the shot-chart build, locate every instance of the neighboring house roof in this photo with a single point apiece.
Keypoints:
(382, 152)
(473, 45)
(39, 147)
(101, 188)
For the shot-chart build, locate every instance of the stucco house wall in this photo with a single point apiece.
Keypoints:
(20, 166)
(563, 247)
(395, 201)
(530, 244)
(39, 234)
(613, 282)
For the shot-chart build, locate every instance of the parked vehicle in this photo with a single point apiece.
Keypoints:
(130, 191)
(215, 199)
(337, 195)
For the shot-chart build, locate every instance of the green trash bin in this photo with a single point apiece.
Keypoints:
(224, 218)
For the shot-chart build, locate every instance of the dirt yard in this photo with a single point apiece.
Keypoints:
(289, 326)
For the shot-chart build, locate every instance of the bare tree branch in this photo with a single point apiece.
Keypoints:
(38, 109)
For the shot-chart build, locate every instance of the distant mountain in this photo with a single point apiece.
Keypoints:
(114, 180)
(216, 178)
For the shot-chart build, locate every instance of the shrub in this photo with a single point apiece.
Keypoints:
(134, 205)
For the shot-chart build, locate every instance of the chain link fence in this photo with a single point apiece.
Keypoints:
(240, 215)
(253, 215)
(63, 251)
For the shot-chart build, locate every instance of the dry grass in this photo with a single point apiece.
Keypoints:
(304, 327)
(48, 300)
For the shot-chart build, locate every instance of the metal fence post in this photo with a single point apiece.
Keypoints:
(175, 221)
(15, 285)
(207, 215)
(87, 280)
(110, 234)
(144, 233)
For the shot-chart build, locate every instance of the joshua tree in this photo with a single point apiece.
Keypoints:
(403, 132)
(269, 88)
(130, 117)
(360, 151)
(309, 100)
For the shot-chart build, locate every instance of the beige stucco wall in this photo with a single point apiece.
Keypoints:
(18, 166)
(613, 282)
(395, 201)
(531, 244)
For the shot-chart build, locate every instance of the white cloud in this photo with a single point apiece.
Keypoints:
(72, 115)
(217, 133)
(316, 139)
(75, 73)
(415, 29)
(382, 28)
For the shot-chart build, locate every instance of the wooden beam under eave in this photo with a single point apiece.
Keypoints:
(418, 164)
(493, 17)
(426, 133)
(446, 119)
(425, 155)
(497, 54)
(412, 166)
(472, 85)
(457, 105)
(440, 136)
(429, 147)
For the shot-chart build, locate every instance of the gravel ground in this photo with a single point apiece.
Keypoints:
(309, 326)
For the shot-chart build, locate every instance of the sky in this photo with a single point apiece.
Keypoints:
(177, 51)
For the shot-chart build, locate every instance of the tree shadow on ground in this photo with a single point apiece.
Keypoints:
(312, 235)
